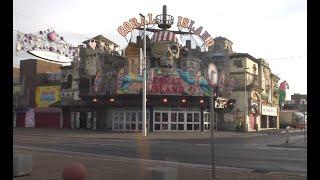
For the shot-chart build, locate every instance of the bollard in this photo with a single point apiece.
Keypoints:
(162, 173)
(22, 164)
(288, 135)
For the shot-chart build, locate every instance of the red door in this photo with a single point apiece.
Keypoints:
(47, 120)
(251, 122)
(20, 119)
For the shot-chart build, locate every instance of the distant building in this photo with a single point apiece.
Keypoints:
(39, 83)
(297, 102)
(35, 73)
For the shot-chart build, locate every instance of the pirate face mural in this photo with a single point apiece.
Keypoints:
(165, 48)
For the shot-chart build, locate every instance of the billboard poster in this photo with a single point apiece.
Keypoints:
(177, 82)
(47, 95)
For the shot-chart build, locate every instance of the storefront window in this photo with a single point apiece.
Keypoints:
(120, 126)
(128, 127)
(173, 117)
(133, 116)
(264, 122)
(164, 117)
(157, 117)
(181, 127)
(164, 126)
(189, 117)
(121, 114)
(272, 121)
(127, 116)
(173, 126)
(181, 117)
(196, 117)
(133, 126)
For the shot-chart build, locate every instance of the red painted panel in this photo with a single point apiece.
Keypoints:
(20, 119)
(251, 121)
(47, 120)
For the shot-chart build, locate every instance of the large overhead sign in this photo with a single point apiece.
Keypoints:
(48, 45)
(184, 24)
(159, 82)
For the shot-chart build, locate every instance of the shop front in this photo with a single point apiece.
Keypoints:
(177, 119)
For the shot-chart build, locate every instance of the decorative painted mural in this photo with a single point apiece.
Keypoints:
(164, 81)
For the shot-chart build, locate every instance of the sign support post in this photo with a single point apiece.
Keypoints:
(144, 85)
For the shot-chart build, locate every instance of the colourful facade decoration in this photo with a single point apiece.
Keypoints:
(46, 95)
(171, 82)
(282, 91)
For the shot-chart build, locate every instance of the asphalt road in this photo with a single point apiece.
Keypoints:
(242, 152)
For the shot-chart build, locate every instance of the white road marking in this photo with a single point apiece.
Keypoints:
(202, 144)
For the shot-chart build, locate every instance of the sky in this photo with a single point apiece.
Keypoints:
(275, 30)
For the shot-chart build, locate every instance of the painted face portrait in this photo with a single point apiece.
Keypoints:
(165, 47)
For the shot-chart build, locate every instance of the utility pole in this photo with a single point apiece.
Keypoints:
(212, 104)
(212, 78)
(144, 85)
(245, 97)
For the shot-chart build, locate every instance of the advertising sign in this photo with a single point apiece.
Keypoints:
(269, 111)
(46, 95)
(158, 82)
(184, 24)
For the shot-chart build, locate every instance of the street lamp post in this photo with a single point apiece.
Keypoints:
(212, 78)
(144, 85)
(212, 104)
(245, 98)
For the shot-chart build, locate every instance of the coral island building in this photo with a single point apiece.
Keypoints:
(104, 89)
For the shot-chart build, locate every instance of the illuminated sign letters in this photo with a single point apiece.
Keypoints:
(183, 22)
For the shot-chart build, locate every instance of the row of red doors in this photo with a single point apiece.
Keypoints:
(42, 119)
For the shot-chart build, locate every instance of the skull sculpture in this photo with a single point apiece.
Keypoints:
(165, 47)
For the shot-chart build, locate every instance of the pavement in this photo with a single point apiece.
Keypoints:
(49, 166)
(88, 133)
